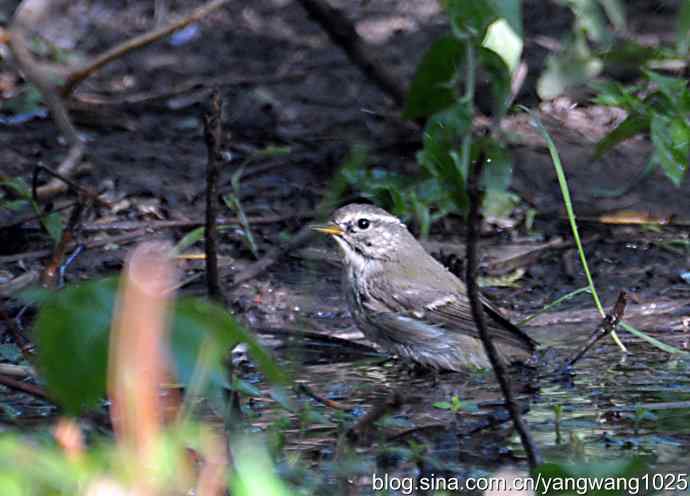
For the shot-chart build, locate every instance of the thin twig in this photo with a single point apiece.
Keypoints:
(43, 78)
(499, 367)
(77, 76)
(131, 225)
(52, 271)
(607, 326)
(24, 387)
(302, 388)
(213, 134)
(148, 97)
(123, 238)
(87, 193)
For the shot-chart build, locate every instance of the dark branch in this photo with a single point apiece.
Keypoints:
(213, 131)
(497, 363)
(607, 326)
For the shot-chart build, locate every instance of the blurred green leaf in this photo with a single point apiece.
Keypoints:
(433, 87)
(72, 336)
(502, 39)
(614, 94)
(470, 20)
(675, 89)
(198, 322)
(73, 330)
(591, 19)
(499, 204)
(19, 186)
(188, 240)
(575, 65)
(632, 125)
(633, 56)
(683, 29)
(53, 225)
(498, 166)
(500, 78)
(511, 11)
(615, 11)
(671, 138)
(28, 100)
(254, 472)
(587, 473)
(439, 156)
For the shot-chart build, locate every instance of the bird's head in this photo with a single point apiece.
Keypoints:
(365, 232)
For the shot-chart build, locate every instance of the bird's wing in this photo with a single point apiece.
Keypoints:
(449, 310)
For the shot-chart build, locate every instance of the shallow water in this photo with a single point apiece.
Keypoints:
(613, 406)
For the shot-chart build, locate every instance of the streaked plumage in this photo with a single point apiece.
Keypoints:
(407, 302)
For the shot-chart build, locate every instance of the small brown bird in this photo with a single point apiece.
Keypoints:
(407, 302)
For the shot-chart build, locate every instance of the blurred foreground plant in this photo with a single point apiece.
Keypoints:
(157, 449)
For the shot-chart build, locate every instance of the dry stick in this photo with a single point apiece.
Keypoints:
(43, 78)
(52, 271)
(131, 225)
(213, 134)
(87, 193)
(342, 33)
(24, 387)
(124, 238)
(499, 367)
(188, 87)
(607, 326)
(77, 76)
(302, 388)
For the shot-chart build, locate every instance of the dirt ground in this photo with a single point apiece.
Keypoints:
(285, 84)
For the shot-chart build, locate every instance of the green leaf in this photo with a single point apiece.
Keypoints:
(555, 475)
(499, 204)
(433, 88)
(19, 186)
(632, 56)
(255, 473)
(470, 20)
(72, 336)
(498, 166)
(500, 77)
(502, 39)
(442, 405)
(511, 11)
(188, 240)
(614, 94)
(199, 325)
(683, 29)
(615, 11)
(671, 138)
(73, 329)
(573, 66)
(590, 18)
(439, 157)
(53, 225)
(675, 89)
(632, 125)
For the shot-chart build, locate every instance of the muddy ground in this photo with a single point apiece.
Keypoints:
(285, 84)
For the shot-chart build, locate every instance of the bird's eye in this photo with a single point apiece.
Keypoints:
(363, 223)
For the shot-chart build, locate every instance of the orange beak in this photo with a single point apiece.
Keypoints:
(332, 229)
